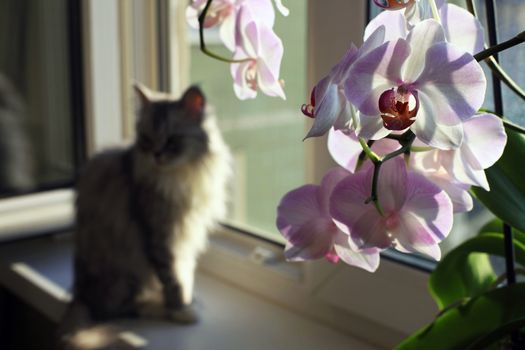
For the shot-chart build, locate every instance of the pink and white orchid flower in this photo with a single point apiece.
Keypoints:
(421, 82)
(483, 144)
(329, 105)
(303, 219)
(461, 28)
(223, 13)
(345, 149)
(263, 51)
(417, 213)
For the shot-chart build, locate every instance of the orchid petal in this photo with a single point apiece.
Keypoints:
(227, 33)
(422, 36)
(392, 184)
(453, 162)
(393, 22)
(281, 8)
(311, 241)
(373, 73)
(329, 105)
(249, 35)
(260, 11)
(344, 148)
(384, 146)
(367, 259)
(339, 71)
(348, 198)
(470, 37)
(369, 230)
(240, 85)
(267, 81)
(370, 127)
(454, 82)
(376, 39)
(297, 207)
(430, 206)
(328, 183)
(428, 130)
(485, 138)
(457, 192)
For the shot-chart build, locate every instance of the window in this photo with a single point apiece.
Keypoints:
(38, 120)
(41, 114)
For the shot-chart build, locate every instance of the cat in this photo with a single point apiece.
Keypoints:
(143, 213)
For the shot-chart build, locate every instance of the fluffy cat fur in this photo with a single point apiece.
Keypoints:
(144, 213)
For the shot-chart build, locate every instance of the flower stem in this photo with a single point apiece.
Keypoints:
(518, 39)
(368, 151)
(435, 11)
(405, 140)
(420, 149)
(203, 47)
(373, 196)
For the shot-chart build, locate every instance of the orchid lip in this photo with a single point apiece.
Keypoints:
(309, 109)
(398, 107)
(393, 4)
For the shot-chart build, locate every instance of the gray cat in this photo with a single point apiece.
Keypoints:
(143, 213)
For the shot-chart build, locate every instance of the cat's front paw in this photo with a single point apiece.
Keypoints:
(186, 314)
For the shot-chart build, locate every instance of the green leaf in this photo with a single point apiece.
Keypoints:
(466, 272)
(493, 313)
(506, 198)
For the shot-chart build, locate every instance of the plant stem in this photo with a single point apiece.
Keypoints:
(493, 50)
(373, 196)
(405, 140)
(435, 11)
(368, 151)
(203, 47)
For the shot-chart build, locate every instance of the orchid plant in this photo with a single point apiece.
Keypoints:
(405, 123)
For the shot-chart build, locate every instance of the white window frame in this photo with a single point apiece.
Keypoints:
(380, 308)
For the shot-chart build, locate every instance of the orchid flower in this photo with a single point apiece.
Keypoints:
(461, 28)
(329, 106)
(422, 83)
(223, 13)
(263, 51)
(417, 213)
(303, 219)
(467, 163)
(345, 149)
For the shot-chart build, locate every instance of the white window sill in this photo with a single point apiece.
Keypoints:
(39, 272)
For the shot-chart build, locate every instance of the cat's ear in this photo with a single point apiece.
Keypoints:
(194, 103)
(143, 95)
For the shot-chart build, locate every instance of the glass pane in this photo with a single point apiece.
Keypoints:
(36, 145)
(262, 133)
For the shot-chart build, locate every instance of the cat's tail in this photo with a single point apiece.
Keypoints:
(77, 331)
